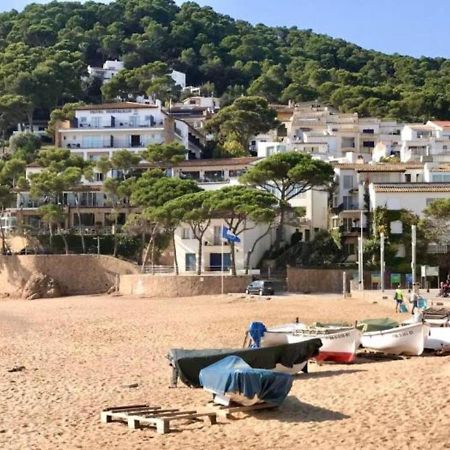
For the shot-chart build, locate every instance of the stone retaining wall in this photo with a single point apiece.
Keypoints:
(76, 274)
(316, 280)
(165, 286)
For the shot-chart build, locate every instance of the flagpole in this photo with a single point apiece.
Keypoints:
(221, 262)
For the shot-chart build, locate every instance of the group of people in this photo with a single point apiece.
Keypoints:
(399, 298)
(444, 290)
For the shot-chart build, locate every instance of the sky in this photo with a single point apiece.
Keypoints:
(410, 27)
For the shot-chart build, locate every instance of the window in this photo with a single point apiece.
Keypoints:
(408, 178)
(92, 142)
(348, 142)
(98, 176)
(441, 177)
(186, 233)
(133, 121)
(348, 181)
(190, 262)
(349, 249)
(397, 227)
(347, 225)
(401, 251)
(347, 200)
(217, 235)
(368, 144)
(236, 173)
(87, 219)
(368, 131)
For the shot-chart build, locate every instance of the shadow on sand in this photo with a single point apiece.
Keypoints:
(327, 373)
(293, 410)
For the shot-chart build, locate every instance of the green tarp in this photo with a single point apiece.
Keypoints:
(369, 325)
(188, 363)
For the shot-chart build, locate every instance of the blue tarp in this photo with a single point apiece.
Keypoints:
(233, 374)
(256, 331)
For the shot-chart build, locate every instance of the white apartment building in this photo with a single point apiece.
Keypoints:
(324, 132)
(99, 130)
(187, 248)
(107, 72)
(428, 142)
(111, 68)
(351, 201)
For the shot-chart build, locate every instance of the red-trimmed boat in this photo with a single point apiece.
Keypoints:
(339, 344)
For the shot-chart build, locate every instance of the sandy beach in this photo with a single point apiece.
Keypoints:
(81, 354)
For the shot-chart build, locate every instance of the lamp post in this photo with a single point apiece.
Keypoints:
(413, 253)
(382, 261)
(361, 256)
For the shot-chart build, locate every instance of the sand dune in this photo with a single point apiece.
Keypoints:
(82, 353)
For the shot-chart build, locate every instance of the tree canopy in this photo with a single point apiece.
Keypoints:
(46, 48)
(243, 119)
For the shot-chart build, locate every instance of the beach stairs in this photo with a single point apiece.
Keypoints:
(154, 416)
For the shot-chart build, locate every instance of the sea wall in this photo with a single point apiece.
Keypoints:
(316, 280)
(165, 286)
(76, 274)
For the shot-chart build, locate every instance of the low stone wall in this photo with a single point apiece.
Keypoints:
(165, 286)
(316, 280)
(76, 274)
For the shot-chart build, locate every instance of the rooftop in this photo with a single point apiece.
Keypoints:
(379, 167)
(219, 162)
(420, 126)
(411, 187)
(441, 123)
(117, 105)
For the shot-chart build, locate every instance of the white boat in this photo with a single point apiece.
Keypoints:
(338, 344)
(406, 340)
(437, 338)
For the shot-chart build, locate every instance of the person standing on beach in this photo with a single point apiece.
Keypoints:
(398, 297)
(414, 299)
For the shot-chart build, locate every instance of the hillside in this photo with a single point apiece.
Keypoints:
(44, 52)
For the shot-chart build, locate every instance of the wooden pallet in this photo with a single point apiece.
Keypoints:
(227, 411)
(155, 416)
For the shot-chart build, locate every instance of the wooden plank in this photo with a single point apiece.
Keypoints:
(227, 411)
(126, 408)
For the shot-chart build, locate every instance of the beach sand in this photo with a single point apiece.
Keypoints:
(82, 353)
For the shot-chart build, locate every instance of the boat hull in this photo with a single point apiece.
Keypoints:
(337, 345)
(404, 340)
(437, 338)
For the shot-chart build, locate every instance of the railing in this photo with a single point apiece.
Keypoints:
(158, 269)
(437, 248)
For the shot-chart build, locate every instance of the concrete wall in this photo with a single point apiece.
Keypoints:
(316, 280)
(76, 274)
(165, 286)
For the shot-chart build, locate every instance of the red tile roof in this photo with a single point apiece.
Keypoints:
(411, 187)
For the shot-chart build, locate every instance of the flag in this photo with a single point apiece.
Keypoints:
(229, 235)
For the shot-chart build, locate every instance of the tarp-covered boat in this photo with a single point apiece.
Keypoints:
(338, 344)
(437, 316)
(187, 364)
(368, 325)
(437, 338)
(406, 340)
(232, 379)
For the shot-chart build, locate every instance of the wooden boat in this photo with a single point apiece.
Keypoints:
(406, 340)
(437, 338)
(231, 379)
(187, 364)
(339, 344)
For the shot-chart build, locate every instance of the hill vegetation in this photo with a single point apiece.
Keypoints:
(45, 50)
